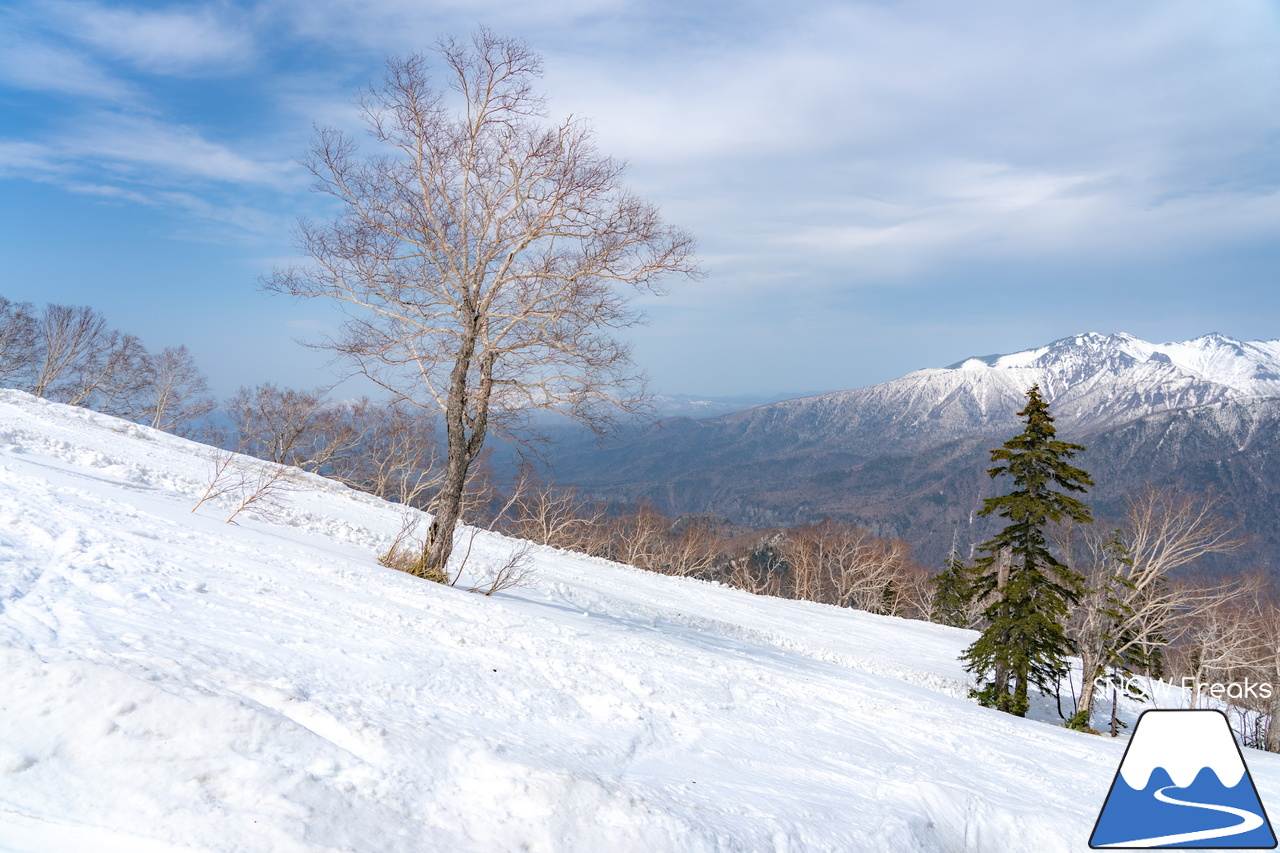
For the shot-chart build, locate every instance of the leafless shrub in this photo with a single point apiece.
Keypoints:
(640, 538)
(264, 491)
(746, 574)
(846, 565)
(393, 452)
(512, 573)
(909, 594)
(253, 486)
(225, 478)
(694, 551)
(553, 516)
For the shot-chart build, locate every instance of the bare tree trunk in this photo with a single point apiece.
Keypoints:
(446, 511)
(1001, 675)
(1090, 670)
(464, 447)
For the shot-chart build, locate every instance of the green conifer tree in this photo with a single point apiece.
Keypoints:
(1025, 641)
(953, 592)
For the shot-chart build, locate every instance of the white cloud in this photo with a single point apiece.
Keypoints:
(394, 26)
(143, 151)
(20, 159)
(30, 63)
(895, 138)
(164, 41)
(877, 138)
(151, 152)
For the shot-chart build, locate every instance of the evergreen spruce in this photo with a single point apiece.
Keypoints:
(953, 592)
(1030, 590)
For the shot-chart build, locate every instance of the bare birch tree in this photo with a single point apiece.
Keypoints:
(68, 339)
(641, 538)
(693, 551)
(275, 423)
(1268, 667)
(17, 344)
(482, 256)
(394, 453)
(176, 392)
(553, 516)
(110, 377)
(1132, 609)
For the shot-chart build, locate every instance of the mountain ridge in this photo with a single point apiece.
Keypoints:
(1203, 412)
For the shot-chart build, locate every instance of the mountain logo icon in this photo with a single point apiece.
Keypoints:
(1183, 784)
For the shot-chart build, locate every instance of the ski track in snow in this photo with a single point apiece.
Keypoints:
(175, 683)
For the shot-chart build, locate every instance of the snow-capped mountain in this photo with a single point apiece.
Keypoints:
(1092, 381)
(909, 456)
(1251, 368)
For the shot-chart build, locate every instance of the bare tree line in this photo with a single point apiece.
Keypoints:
(386, 449)
(1230, 655)
(829, 562)
(70, 355)
(1133, 610)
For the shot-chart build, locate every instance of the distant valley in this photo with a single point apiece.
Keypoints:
(908, 457)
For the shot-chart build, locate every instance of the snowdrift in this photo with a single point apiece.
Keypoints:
(171, 682)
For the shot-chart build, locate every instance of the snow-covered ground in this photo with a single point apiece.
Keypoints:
(171, 682)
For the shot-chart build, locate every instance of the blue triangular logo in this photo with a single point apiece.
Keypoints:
(1183, 784)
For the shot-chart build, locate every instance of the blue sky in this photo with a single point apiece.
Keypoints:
(876, 186)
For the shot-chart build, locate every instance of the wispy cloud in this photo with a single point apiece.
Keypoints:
(29, 160)
(143, 151)
(410, 25)
(150, 151)
(177, 40)
(894, 137)
(30, 63)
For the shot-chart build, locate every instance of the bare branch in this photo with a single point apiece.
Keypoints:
(513, 573)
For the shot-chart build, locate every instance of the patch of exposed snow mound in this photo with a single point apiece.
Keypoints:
(169, 682)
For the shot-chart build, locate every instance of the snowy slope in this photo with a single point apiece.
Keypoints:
(170, 682)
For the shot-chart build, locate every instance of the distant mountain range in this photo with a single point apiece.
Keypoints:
(691, 406)
(908, 457)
